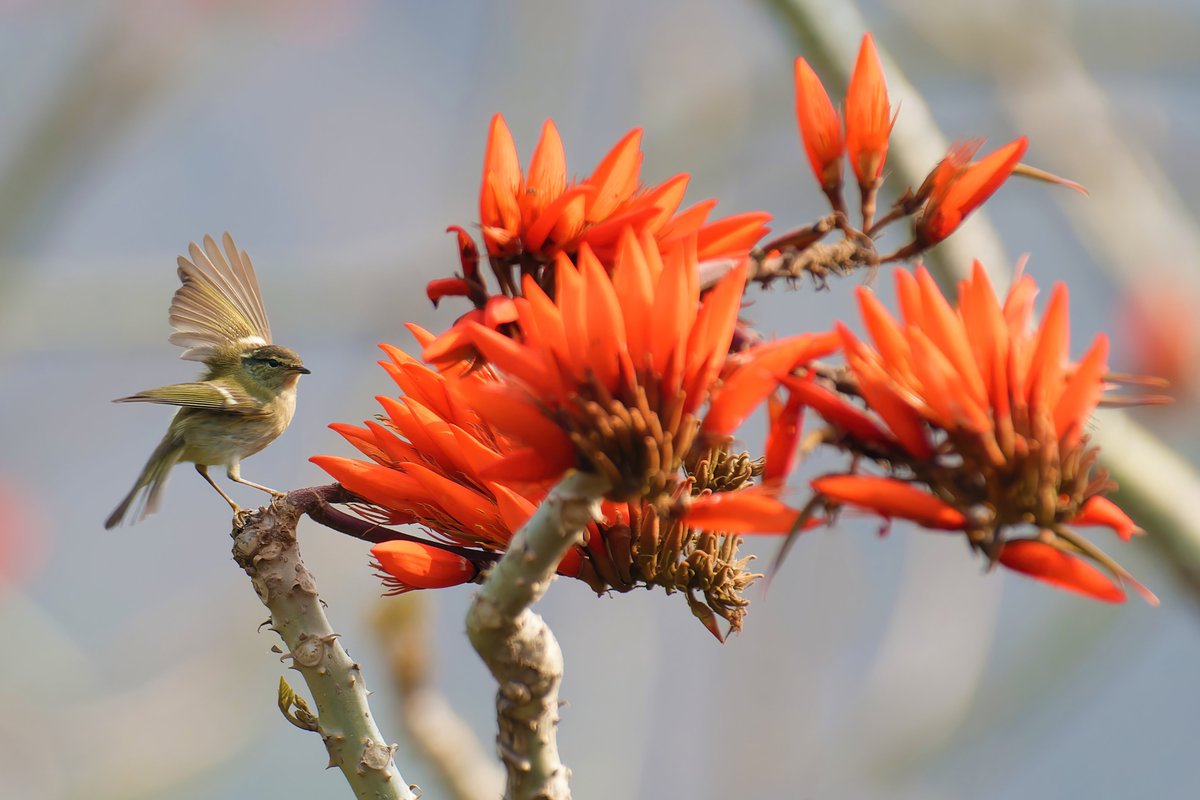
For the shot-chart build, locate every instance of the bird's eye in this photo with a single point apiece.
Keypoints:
(271, 362)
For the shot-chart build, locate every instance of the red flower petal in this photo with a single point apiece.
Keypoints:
(422, 566)
(820, 127)
(530, 465)
(615, 178)
(1049, 564)
(512, 414)
(563, 218)
(757, 374)
(435, 290)
(839, 411)
(1049, 357)
(501, 172)
(731, 237)
(515, 359)
(500, 310)
(1102, 511)
(547, 170)
(787, 421)
(1082, 392)
(753, 510)
(382, 485)
(453, 345)
(468, 256)
(891, 498)
(885, 331)
(868, 115)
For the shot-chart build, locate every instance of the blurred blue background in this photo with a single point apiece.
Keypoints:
(336, 141)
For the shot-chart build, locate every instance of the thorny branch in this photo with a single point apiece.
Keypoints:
(265, 546)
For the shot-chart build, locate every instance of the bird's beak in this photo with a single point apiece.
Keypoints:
(302, 370)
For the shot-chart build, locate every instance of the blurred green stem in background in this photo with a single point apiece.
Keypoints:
(96, 102)
(403, 626)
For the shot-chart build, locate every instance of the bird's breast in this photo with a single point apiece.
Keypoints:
(222, 437)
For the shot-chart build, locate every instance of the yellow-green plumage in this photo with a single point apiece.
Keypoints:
(248, 395)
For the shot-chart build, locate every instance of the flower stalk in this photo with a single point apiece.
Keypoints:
(517, 644)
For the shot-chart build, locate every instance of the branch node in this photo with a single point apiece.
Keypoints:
(376, 756)
(310, 651)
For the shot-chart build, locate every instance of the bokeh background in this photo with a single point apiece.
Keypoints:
(337, 140)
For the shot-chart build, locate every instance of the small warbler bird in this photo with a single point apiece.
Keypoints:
(245, 399)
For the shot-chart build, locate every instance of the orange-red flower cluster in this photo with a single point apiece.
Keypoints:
(541, 213)
(529, 218)
(598, 347)
(626, 371)
(954, 188)
(429, 457)
(1158, 325)
(979, 418)
(612, 374)
(436, 460)
(23, 543)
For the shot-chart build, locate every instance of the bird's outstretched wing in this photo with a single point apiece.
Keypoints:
(208, 395)
(219, 303)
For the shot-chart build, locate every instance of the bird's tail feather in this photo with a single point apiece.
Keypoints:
(146, 491)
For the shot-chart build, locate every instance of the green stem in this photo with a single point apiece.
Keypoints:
(518, 646)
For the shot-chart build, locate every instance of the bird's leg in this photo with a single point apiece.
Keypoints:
(203, 470)
(234, 471)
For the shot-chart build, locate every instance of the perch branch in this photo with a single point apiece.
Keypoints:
(265, 546)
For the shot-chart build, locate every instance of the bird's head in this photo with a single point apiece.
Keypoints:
(273, 367)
